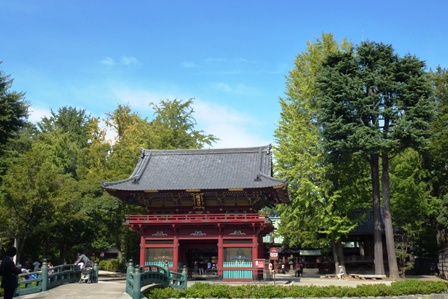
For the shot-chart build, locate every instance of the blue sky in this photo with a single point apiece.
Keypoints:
(230, 56)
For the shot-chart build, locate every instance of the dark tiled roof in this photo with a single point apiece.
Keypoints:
(366, 223)
(205, 169)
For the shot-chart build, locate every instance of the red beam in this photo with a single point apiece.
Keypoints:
(197, 218)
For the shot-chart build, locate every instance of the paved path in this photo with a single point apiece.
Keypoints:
(100, 290)
(112, 286)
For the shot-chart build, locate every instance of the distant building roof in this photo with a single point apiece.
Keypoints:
(203, 170)
(366, 221)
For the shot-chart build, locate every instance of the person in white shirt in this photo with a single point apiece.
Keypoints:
(341, 272)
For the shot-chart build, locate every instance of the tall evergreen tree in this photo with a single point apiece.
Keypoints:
(13, 109)
(374, 104)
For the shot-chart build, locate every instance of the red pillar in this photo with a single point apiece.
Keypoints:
(176, 253)
(254, 255)
(260, 247)
(220, 255)
(142, 251)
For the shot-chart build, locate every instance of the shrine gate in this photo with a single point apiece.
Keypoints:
(203, 208)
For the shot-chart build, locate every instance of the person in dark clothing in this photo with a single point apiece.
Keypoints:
(9, 273)
(298, 270)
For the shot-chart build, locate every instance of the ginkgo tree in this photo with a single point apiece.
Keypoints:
(318, 215)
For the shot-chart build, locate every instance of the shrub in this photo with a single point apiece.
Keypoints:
(206, 290)
(413, 286)
(113, 265)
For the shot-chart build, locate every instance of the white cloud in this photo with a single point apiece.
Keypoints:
(233, 128)
(188, 64)
(232, 135)
(129, 60)
(108, 61)
(125, 60)
(111, 135)
(36, 114)
(238, 89)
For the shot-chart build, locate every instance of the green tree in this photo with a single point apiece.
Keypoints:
(52, 156)
(11, 151)
(414, 210)
(374, 104)
(436, 156)
(318, 214)
(174, 126)
(37, 195)
(73, 127)
(132, 132)
(13, 110)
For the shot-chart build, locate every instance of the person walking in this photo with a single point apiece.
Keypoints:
(81, 261)
(9, 273)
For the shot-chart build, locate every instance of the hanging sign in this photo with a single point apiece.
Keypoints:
(273, 253)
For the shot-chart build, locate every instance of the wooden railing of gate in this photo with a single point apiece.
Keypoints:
(137, 278)
(48, 278)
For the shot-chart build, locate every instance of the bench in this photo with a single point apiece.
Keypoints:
(368, 276)
(332, 276)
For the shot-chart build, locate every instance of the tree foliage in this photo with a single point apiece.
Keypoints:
(174, 126)
(37, 189)
(321, 197)
(436, 154)
(51, 196)
(415, 210)
(374, 104)
(13, 110)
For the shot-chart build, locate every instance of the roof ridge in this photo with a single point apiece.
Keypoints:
(207, 151)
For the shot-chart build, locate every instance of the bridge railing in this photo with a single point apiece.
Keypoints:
(48, 278)
(138, 277)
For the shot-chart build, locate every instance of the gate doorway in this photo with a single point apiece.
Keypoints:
(200, 257)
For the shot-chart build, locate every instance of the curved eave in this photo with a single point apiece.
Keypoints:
(274, 195)
(262, 181)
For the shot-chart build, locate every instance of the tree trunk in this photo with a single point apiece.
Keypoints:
(390, 243)
(19, 245)
(335, 256)
(377, 232)
(338, 255)
(341, 256)
(118, 244)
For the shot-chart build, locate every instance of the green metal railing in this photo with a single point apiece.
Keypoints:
(160, 264)
(138, 277)
(48, 278)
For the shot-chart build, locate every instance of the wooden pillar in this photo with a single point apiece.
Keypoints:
(254, 256)
(254, 248)
(260, 247)
(176, 253)
(142, 251)
(220, 255)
